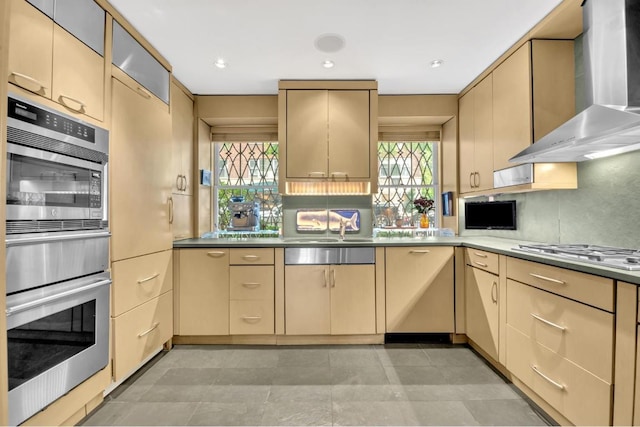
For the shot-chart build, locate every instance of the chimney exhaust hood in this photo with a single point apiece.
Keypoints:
(611, 123)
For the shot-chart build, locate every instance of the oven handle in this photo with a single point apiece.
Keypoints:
(45, 300)
(50, 239)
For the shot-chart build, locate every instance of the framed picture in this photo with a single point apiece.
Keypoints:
(205, 177)
(447, 203)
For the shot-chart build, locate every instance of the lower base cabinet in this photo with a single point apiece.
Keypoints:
(138, 332)
(419, 289)
(330, 300)
(482, 311)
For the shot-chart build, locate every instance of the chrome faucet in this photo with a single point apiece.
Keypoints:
(343, 227)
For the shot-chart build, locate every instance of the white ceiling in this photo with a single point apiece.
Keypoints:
(391, 41)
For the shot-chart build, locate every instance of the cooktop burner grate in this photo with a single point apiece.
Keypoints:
(608, 256)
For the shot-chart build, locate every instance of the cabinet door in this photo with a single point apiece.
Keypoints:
(182, 131)
(182, 225)
(307, 133)
(307, 300)
(140, 179)
(483, 131)
(353, 299)
(349, 143)
(203, 298)
(78, 75)
(466, 150)
(419, 289)
(30, 48)
(481, 294)
(512, 128)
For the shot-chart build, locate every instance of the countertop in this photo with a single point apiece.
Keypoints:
(492, 244)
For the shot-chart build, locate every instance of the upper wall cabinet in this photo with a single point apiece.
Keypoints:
(133, 59)
(521, 100)
(328, 131)
(476, 138)
(533, 93)
(63, 64)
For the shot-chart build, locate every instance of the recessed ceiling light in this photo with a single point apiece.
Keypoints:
(220, 63)
(329, 43)
(328, 64)
(436, 63)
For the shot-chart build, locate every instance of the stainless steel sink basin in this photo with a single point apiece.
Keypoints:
(312, 240)
(327, 240)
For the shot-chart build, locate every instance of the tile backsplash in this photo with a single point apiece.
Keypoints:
(603, 210)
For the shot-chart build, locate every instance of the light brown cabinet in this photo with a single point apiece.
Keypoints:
(140, 196)
(419, 289)
(327, 134)
(533, 93)
(558, 343)
(182, 137)
(476, 137)
(330, 299)
(45, 59)
(482, 309)
(203, 292)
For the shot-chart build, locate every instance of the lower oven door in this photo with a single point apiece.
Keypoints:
(57, 337)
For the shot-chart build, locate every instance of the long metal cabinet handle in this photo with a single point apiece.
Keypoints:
(548, 279)
(419, 251)
(345, 174)
(554, 383)
(170, 210)
(52, 239)
(326, 278)
(312, 174)
(481, 264)
(476, 174)
(184, 185)
(494, 286)
(27, 305)
(30, 79)
(215, 254)
(179, 182)
(148, 331)
(471, 180)
(480, 254)
(143, 92)
(547, 322)
(333, 277)
(251, 285)
(146, 279)
(62, 98)
(250, 257)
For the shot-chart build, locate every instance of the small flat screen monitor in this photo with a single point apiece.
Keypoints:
(490, 215)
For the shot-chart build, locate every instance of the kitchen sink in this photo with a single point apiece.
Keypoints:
(328, 240)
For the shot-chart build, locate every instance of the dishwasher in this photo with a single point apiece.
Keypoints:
(330, 291)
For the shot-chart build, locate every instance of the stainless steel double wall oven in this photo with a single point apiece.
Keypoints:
(57, 254)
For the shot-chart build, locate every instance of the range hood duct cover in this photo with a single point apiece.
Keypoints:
(611, 122)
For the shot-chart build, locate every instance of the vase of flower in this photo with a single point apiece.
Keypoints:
(424, 221)
(424, 206)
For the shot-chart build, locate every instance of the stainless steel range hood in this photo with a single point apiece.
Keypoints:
(611, 122)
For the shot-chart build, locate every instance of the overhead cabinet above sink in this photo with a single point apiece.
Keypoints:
(328, 133)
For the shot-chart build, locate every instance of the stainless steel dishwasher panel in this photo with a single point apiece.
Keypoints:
(329, 255)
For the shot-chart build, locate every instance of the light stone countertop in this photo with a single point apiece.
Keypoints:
(491, 244)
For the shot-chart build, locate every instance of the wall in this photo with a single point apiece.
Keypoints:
(603, 210)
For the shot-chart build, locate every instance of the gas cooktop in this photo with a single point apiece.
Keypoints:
(607, 256)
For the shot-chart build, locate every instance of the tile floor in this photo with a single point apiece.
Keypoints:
(417, 384)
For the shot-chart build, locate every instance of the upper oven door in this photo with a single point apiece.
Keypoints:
(42, 185)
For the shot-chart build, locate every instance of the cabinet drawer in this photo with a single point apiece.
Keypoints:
(575, 331)
(592, 290)
(482, 259)
(251, 283)
(140, 331)
(137, 280)
(251, 317)
(580, 396)
(239, 256)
